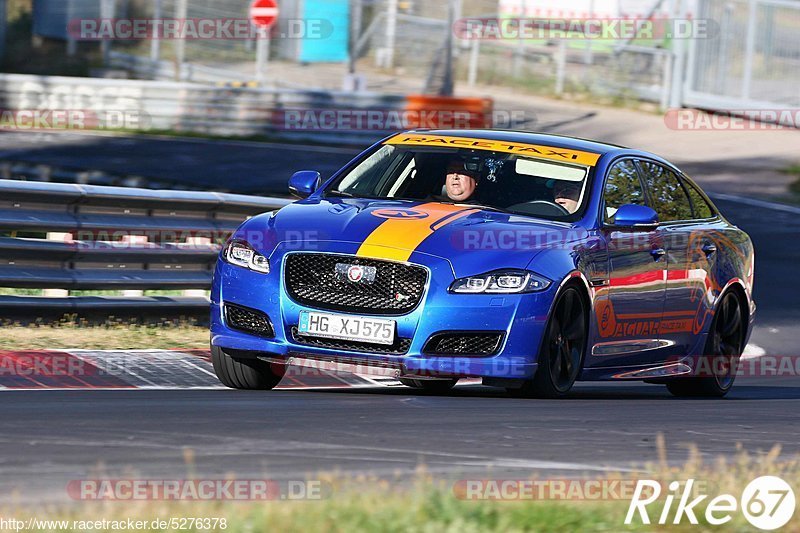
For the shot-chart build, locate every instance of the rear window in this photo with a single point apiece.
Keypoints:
(669, 197)
(701, 208)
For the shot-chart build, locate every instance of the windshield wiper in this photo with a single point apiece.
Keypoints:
(481, 206)
(341, 194)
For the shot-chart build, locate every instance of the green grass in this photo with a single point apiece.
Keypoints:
(39, 292)
(794, 170)
(363, 504)
(113, 335)
(260, 138)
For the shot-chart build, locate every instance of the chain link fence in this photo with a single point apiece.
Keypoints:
(755, 60)
(753, 56)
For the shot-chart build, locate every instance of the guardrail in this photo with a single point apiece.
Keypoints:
(63, 237)
(330, 117)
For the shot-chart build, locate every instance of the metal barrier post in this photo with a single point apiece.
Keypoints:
(57, 237)
(133, 241)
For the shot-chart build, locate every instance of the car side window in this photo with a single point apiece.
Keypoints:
(669, 197)
(622, 187)
(701, 207)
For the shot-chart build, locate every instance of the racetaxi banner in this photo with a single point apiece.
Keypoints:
(564, 155)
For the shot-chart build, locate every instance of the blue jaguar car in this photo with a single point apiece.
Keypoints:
(527, 260)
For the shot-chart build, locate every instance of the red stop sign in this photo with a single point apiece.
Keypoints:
(264, 13)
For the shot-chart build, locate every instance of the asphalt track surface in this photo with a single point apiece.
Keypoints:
(51, 437)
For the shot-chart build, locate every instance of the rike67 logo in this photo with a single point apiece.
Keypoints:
(767, 503)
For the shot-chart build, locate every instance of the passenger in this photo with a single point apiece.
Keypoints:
(567, 194)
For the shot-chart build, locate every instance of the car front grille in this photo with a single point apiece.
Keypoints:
(317, 280)
(248, 320)
(399, 347)
(464, 343)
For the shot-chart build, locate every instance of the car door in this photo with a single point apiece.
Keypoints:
(677, 229)
(708, 234)
(630, 303)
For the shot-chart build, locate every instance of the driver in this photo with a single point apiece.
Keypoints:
(460, 183)
(567, 194)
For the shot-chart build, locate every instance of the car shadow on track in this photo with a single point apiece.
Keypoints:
(611, 391)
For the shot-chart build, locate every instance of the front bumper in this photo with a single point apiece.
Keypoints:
(522, 318)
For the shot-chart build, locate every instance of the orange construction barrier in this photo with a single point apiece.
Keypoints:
(447, 112)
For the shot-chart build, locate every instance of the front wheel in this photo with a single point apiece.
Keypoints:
(432, 385)
(723, 348)
(562, 351)
(248, 374)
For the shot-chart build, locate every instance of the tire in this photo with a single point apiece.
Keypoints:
(726, 341)
(562, 351)
(431, 385)
(247, 374)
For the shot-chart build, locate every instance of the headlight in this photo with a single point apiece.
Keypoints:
(501, 281)
(241, 254)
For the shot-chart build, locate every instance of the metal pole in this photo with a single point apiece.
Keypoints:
(588, 55)
(721, 80)
(666, 81)
(106, 12)
(355, 33)
(3, 25)
(678, 63)
(391, 32)
(474, 58)
(262, 54)
(181, 9)
(155, 43)
(72, 46)
(447, 85)
(520, 50)
(561, 66)
(750, 48)
(459, 10)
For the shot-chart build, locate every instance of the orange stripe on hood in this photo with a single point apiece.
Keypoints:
(397, 238)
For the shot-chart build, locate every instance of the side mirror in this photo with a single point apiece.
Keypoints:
(303, 184)
(631, 217)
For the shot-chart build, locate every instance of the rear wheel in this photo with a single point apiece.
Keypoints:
(432, 385)
(249, 374)
(722, 351)
(562, 351)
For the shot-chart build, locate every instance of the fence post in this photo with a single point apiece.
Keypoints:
(155, 43)
(750, 48)
(262, 54)
(474, 58)
(197, 241)
(180, 45)
(106, 12)
(561, 66)
(666, 81)
(59, 237)
(678, 63)
(519, 50)
(391, 32)
(133, 241)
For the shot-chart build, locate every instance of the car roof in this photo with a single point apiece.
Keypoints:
(547, 139)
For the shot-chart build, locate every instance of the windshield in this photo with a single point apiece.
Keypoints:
(502, 181)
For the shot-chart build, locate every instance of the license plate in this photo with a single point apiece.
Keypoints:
(347, 327)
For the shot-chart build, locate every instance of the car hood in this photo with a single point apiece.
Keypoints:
(472, 239)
